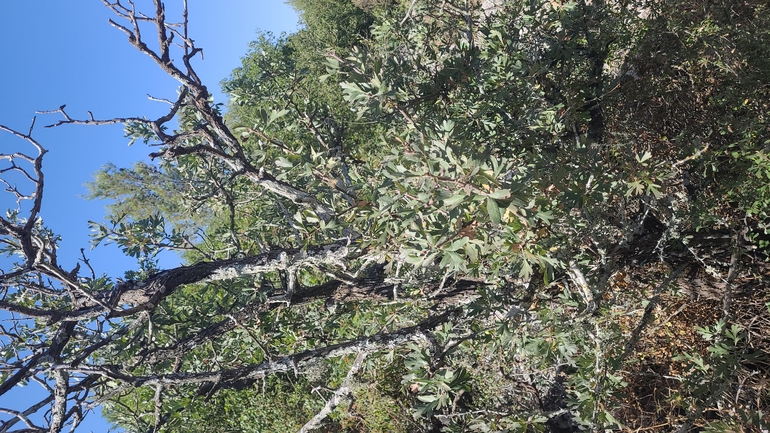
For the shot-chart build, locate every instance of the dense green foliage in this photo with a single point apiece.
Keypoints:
(564, 204)
(522, 144)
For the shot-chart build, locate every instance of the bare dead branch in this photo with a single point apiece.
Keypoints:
(339, 395)
(38, 180)
(24, 416)
(158, 406)
(59, 408)
(215, 128)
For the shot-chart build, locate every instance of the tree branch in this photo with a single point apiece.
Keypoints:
(339, 395)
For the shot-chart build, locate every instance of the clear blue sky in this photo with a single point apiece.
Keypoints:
(65, 52)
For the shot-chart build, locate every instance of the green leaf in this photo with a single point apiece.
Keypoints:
(454, 200)
(494, 211)
(472, 253)
(500, 194)
(283, 162)
(457, 244)
(526, 270)
(428, 398)
(276, 114)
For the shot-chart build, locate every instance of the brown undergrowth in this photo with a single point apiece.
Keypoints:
(661, 383)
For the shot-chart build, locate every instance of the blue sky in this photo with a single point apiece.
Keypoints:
(65, 52)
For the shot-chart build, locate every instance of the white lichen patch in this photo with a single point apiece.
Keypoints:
(329, 255)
